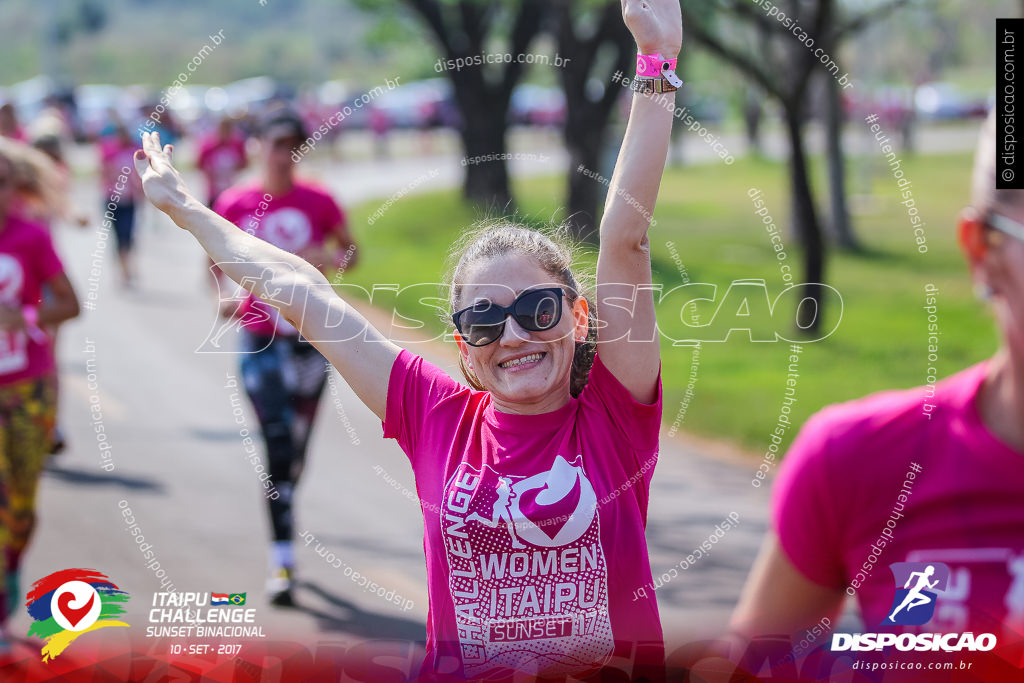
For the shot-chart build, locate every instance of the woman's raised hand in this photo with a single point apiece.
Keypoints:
(656, 25)
(161, 182)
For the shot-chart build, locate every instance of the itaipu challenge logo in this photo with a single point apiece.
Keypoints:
(69, 603)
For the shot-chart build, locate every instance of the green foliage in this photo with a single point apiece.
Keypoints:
(148, 41)
(704, 211)
(128, 42)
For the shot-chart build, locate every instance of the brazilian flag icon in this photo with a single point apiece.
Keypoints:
(237, 598)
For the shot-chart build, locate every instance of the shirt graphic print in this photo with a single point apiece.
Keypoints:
(13, 343)
(528, 578)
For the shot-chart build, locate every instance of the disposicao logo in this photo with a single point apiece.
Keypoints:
(68, 603)
(917, 588)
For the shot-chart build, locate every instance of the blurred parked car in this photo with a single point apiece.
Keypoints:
(944, 101)
(534, 105)
(333, 97)
(419, 104)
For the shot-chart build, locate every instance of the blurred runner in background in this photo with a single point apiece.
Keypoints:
(9, 126)
(221, 158)
(46, 183)
(115, 155)
(28, 263)
(284, 375)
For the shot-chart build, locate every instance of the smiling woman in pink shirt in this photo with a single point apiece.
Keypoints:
(534, 478)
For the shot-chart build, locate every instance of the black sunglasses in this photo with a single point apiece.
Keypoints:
(535, 309)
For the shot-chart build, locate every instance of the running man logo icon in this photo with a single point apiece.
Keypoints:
(501, 512)
(916, 586)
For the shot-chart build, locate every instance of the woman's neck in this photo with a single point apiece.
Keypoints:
(546, 405)
(277, 184)
(1001, 399)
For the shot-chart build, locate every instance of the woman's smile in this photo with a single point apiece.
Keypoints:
(523, 361)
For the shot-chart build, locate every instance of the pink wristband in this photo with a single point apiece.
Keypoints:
(650, 66)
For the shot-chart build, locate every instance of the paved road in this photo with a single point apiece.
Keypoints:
(178, 462)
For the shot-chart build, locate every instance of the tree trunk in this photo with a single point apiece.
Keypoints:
(483, 136)
(805, 222)
(461, 29)
(587, 117)
(753, 114)
(841, 227)
(908, 126)
(585, 193)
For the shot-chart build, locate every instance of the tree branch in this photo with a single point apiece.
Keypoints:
(431, 13)
(473, 26)
(760, 19)
(861, 22)
(524, 30)
(613, 30)
(740, 61)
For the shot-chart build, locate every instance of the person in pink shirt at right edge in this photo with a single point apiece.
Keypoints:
(533, 479)
(911, 502)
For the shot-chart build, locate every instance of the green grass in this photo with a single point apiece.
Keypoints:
(880, 341)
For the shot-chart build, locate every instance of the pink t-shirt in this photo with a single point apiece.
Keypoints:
(841, 483)
(27, 261)
(119, 185)
(220, 161)
(300, 219)
(522, 574)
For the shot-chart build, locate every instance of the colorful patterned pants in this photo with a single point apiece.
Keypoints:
(27, 415)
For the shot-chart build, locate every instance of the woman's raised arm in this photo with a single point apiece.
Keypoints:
(299, 291)
(628, 336)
